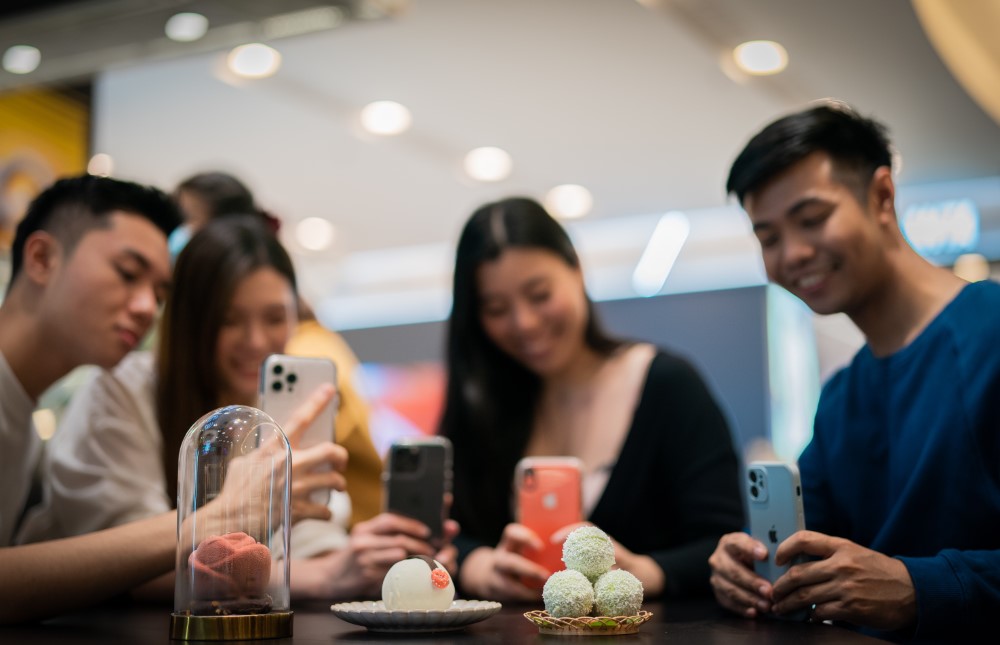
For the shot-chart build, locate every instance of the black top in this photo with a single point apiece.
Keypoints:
(674, 490)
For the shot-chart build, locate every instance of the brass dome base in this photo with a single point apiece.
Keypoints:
(277, 624)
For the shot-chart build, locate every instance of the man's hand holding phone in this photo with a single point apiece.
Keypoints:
(847, 582)
(735, 584)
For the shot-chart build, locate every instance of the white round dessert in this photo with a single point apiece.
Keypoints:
(417, 583)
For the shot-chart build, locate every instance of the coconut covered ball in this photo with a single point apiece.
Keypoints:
(568, 593)
(589, 550)
(618, 593)
(417, 582)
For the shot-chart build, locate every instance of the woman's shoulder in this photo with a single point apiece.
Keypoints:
(667, 365)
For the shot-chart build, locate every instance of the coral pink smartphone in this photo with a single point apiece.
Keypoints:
(548, 498)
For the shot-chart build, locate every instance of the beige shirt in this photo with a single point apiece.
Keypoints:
(19, 450)
(103, 466)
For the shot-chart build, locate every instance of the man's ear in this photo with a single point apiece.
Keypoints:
(41, 258)
(882, 195)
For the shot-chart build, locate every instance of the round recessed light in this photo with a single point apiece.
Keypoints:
(101, 165)
(254, 60)
(21, 59)
(186, 27)
(569, 201)
(314, 233)
(488, 164)
(761, 57)
(385, 118)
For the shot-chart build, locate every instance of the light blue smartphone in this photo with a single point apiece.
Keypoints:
(774, 495)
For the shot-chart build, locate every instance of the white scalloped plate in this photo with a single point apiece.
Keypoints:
(373, 615)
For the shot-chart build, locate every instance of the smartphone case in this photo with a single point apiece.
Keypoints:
(285, 384)
(774, 495)
(549, 497)
(417, 477)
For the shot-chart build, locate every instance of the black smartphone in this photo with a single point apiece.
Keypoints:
(417, 477)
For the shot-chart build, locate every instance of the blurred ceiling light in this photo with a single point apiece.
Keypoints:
(972, 267)
(385, 118)
(101, 165)
(761, 57)
(661, 252)
(254, 61)
(186, 27)
(21, 59)
(314, 233)
(569, 201)
(488, 164)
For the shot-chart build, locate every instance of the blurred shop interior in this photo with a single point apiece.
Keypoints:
(373, 128)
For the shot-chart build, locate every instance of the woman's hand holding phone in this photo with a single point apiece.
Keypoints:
(641, 566)
(244, 471)
(357, 570)
(502, 572)
(317, 468)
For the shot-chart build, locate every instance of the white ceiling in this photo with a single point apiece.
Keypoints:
(625, 98)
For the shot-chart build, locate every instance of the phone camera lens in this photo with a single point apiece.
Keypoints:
(754, 492)
(276, 386)
(278, 369)
(407, 459)
(292, 378)
(753, 476)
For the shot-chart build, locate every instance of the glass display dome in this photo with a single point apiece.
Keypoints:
(234, 474)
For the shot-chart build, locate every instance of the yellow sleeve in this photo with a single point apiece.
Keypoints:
(364, 466)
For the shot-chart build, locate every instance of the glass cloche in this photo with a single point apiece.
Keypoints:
(233, 480)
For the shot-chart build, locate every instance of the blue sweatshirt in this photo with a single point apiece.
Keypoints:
(905, 460)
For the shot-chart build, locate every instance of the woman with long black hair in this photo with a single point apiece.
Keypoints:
(531, 372)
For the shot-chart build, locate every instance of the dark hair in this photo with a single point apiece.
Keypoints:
(225, 195)
(206, 275)
(857, 145)
(71, 207)
(491, 398)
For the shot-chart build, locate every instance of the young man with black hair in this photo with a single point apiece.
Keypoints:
(901, 481)
(90, 268)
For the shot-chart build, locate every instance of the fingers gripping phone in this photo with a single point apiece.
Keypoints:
(286, 382)
(416, 478)
(548, 498)
(774, 493)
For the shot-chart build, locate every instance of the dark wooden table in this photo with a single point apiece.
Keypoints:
(678, 622)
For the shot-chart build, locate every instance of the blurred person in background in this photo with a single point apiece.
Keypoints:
(531, 372)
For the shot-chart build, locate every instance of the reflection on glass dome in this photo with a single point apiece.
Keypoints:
(234, 472)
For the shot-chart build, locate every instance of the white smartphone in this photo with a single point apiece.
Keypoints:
(417, 477)
(774, 494)
(285, 384)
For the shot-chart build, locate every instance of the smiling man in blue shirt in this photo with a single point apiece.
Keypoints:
(901, 481)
